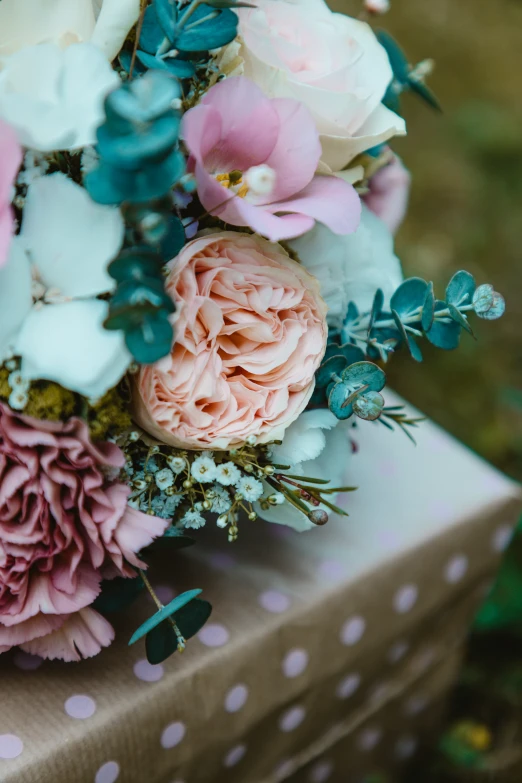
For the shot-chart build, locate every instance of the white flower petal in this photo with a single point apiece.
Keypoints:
(53, 97)
(15, 296)
(28, 22)
(70, 238)
(67, 343)
(304, 439)
(116, 17)
(351, 267)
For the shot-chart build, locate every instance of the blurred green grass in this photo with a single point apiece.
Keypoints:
(466, 209)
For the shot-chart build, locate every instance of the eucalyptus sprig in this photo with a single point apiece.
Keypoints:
(406, 77)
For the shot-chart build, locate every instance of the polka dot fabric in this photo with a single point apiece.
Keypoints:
(324, 651)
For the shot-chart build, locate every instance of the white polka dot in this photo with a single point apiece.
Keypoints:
(108, 773)
(80, 707)
(148, 672)
(11, 746)
(292, 718)
(172, 735)
(415, 705)
(295, 662)
(214, 635)
(502, 538)
(353, 630)
(274, 601)
(348, 686)
(321, 772)
(165, 593)
(234, 756)
(332, 570)
(26, 661)
(236, 698)
(456, 569)
(405, 598)
(369, 739)
(397, 651)
(405, 747)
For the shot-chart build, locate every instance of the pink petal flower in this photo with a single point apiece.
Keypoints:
(235, 129)
(82, 635)
(10, 160)
(389, 193)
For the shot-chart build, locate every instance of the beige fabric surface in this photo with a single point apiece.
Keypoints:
(314, 638)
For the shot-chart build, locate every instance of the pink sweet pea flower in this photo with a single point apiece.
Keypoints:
(255, 158)
(10, 160)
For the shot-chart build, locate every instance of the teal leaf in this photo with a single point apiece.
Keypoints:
(336, 401)
(152, 339)
(369, 405)
(352, 314)
(117, 594)
(461, 288)
(174, 240)
(198, 35)
(428, 308)
(483, 299)
(364, 374)
(352, 353)
(167, 16)
(459, 318)
(396, 56)
(133, 150)
(167, 611)
(183, 69)
(496, 310)
(333, 366)
(414, 349)
(136, 263)
(444, 333)
(162, 641)
(409, 297)
(176, 538)
(424, 92)
(378, 303)
(152, 35)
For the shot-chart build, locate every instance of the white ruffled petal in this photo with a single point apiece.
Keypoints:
(115, 19)
(304, 439)
(15, 296)
(67, 343)
(70, 238)
(29, 22)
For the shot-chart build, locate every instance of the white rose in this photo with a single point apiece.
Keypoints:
(351, 267)
(330, 62)
(54, 97)
(105, 23)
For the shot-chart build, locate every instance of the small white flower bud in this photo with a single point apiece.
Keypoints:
(222, 520)
(377, 6)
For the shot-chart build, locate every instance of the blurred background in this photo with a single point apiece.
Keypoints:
(466, 209)
(466, 213)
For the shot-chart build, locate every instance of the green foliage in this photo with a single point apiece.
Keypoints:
(406, 78)
(140, 162)
(117, 594)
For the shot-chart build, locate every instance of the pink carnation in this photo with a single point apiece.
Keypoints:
(10, 160)
(249, 336)
(389, 193)
(64, 525)
(255, 159)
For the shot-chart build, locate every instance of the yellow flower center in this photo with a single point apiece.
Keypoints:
(233, 181)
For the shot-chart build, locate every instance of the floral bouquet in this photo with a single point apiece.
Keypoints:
(198, 289)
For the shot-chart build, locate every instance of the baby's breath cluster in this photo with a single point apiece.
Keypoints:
(191, 488)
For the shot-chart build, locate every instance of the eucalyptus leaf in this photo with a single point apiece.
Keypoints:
(331, 367)
(152, 35)
(398, 60)
(167, 611)
(409, 297)
(424, 92)
(414, 349)
(161, 642)
(369, 406)
(207, 29)
(444, 333)
(364, 373)
(117, 594)
(428, 308)
(167, 16)
(459, 318)
(336, 401)
(378, 303)
(496, 310)
(151, 340)
(461, 288)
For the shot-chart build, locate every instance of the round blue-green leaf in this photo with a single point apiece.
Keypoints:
(461, 288)
(152, 35)
(414, 349)
(152, 339)
(167, 15)
(162, 641)
(444, 334)
(333, 366)
(352, 313)
(175, 238)
(378, 303)
(483, 299)
(428, 308)
(117, 594)
(409, 297)
(369, 405)
(336, 399)
(398, 60)
(136, 149)
(175, 537)
(352, 353)
(143, 100)
(199, 36)
(167, 611)
(364, 373)
(496, 310)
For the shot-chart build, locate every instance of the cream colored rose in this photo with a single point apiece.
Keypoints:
(105, 23)
(332, 63)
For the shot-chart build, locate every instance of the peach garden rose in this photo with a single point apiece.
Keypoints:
(250, 333)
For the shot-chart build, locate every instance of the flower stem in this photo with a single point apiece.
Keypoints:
(150, 589)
